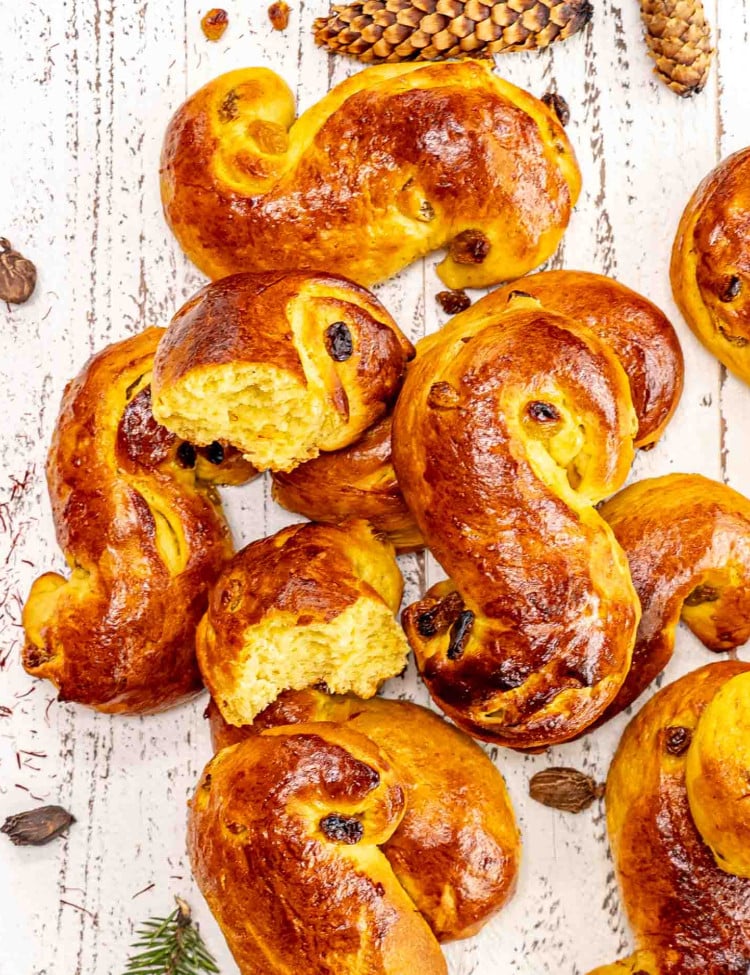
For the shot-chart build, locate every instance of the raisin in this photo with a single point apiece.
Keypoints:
(452, 302)
(442, 396)
(731, 290)
(439, 618)
(339, 343)
(678, 740)
(702, 594)
(460, 633)
(342, 829)
(215, 453)
(215, 23)
(470, 247)
(542, 412)
(186, 454)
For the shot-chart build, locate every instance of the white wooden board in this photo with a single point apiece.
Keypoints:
(86, 89)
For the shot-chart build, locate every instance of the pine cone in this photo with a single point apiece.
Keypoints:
(429, 30)
(679, 40)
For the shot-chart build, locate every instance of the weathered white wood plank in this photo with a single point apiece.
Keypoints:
(87, 90)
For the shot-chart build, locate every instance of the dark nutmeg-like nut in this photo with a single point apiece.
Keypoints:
(17, 275)
(339, 344)
(342, 829)
(557, 104)
(564, 788)
(470, 247)
(37, 826)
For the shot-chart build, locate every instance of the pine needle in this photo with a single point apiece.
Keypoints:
(170, 946)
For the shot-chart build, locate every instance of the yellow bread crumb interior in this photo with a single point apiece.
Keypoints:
(354, 653)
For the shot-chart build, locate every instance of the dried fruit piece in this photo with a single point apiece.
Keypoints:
(460, 633)
(186, 455)
(342, 829)
(428, 30)
(702, 594)
(443, 396)
(17, 275)
(37, 826)
(453, 302)
(542, 412)
(557, 104)
(441, 616)
(339, 344)
(564, 788)
(678, 740)
(214, 23)
(679, 41)
(215, 453)
(470, 247)
(278, 14)
(731, 290)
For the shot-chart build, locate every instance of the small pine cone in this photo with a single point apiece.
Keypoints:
(375, 31)
(679, 40)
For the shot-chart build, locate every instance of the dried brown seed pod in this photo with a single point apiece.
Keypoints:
(37, 826)
(565, 788)
(214, 23)
(679, 40)
(17, 275)
(453, 302)
(429, 30)
(278, 14)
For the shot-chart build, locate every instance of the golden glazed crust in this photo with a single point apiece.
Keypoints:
(310, 604)
(457, 849)
(687, 540)
(504, 438)
(710, 268)
(281, 365)
(284, 837)
(395, 162)
(689, 916)
(144, 538)
(355, 482)
(359, 481)
(639, 333)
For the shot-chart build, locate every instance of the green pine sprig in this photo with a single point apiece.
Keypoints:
(170, 946)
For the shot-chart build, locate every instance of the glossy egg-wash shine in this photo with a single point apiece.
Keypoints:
(393, 163)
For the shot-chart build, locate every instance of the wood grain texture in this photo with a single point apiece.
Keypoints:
(88, 86)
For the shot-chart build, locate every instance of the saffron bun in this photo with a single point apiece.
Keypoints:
(139, 521)
(678, 826)
(457, 850)
(359, 481)
(507, 434)
(710, 268)
(282, 366)
(687, 540)
(444, 155)
(311, 604)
